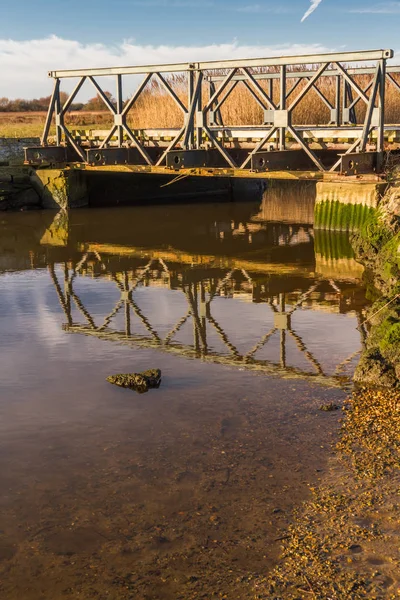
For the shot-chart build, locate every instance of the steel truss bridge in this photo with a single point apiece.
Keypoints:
(200, 288)
(351, 141)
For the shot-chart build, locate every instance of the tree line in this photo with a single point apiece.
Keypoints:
(42, 104)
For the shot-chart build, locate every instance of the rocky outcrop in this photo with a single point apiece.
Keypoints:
(377, 246)
(18, 193)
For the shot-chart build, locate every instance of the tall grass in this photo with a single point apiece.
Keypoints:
(156, 109)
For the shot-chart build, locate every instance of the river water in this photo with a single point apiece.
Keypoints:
(186, 491)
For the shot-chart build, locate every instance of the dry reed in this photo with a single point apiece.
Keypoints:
(156, 109)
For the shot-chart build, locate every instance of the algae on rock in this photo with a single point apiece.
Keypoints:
(377, 246)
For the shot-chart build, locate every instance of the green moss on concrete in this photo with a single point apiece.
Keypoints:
(338, 216)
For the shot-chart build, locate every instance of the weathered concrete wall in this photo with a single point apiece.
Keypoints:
(288, 201)
(12, 149)
(338, 205)
(345, 206)
(352, 192)
(61, 188)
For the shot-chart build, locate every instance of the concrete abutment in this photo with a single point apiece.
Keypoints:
(345, 206)
(336, 205)
(61, 188)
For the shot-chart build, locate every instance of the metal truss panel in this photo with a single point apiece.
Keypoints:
(304, 74)
(208, 141)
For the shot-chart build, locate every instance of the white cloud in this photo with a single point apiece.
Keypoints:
(314, 6)
(25, 64)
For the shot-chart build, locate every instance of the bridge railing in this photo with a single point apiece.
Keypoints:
(205, 141)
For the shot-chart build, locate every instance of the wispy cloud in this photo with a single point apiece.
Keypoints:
(383, 8)
(314, 6)
(24, 64)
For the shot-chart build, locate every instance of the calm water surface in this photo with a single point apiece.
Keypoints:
(182, 492)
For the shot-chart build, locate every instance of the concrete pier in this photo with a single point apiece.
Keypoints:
(61, 188)
(346, 205)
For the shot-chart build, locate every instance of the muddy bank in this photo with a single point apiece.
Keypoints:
(377, 247)
(344, 543)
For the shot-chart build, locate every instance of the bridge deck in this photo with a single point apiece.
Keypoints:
(250, 135)
(213, 172)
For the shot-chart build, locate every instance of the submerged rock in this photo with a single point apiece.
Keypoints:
(140, 382)
(329, 407)
(18, 196)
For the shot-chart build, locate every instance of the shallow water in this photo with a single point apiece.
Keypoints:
(183, 492)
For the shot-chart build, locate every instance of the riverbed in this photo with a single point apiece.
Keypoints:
(255, 320)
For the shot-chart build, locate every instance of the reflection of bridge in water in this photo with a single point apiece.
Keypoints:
(267, 255)
(201, 282)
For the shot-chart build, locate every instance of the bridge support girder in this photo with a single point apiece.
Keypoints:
(114, 156)
(280, 160)
(50, 155)
(360, 163)
(187, 159)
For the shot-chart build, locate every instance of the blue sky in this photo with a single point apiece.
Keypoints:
(50, 34)
(203, 21)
